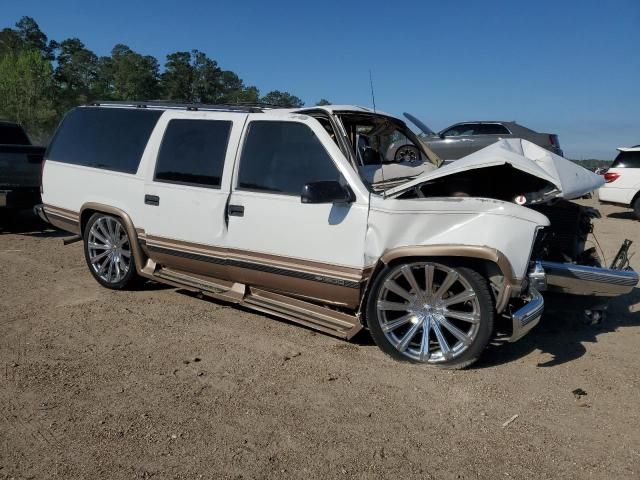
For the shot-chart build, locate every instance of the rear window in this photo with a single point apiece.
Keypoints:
(627, 160)
(193, 152)
(13, 135)
(108, 138)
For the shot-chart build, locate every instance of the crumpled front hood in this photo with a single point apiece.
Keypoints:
(570, 180)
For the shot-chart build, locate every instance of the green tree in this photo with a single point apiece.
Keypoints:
(132, 76)
(282, 99)
(75, 74)
(177, 80)
(27, 91)
(322, 102)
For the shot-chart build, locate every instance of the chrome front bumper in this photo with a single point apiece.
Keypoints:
(527, 316)
(582, 280)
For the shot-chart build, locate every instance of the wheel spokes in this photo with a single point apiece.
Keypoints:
(464, 316)
(392, 286)
(448, 282)
(393, 306)
(390, 326)
(459, 334)
(424, 344)
(408, 274)
(408, 336)
(459, 298)
(444, 346)
(428, 273)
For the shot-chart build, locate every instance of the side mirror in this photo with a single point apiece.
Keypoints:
(326, 192)
(441, 135)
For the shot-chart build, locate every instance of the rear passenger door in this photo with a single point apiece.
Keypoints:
(187, 188)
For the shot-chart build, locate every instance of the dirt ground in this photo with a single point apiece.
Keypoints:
(157, 383)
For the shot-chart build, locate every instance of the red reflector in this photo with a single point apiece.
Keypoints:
(611, 177)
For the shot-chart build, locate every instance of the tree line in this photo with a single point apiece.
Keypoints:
(40, 79)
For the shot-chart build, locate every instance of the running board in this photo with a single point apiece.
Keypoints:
(333, 322)
(330, 321)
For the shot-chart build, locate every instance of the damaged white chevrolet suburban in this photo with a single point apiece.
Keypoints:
(296, 212)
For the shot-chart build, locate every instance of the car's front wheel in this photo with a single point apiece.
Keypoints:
(107, 249)
(429, 312)
(636, 207)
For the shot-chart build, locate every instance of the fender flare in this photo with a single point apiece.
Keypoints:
(511, 284)
(138, 254)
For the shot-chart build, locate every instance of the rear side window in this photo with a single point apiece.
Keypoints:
(193, 152)
(627, 160)
(108, 138)
(281, 157)
(13, 135)
(490, 129)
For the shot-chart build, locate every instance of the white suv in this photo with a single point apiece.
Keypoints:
(622, 185)
(297, 213)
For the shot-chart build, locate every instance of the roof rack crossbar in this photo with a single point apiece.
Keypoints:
(225, 107)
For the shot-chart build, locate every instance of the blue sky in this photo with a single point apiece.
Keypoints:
(567, 67)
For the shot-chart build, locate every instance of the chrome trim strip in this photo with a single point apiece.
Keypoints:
(256, 266)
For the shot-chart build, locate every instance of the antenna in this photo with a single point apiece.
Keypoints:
(373, 97)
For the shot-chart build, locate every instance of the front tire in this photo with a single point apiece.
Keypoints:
(636, 207)
(429, 312)
(108, 252)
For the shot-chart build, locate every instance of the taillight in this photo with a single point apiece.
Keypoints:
(611, 177)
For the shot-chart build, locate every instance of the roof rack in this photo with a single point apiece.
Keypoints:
(164, 105)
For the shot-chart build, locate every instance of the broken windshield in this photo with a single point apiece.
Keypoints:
(386, 151)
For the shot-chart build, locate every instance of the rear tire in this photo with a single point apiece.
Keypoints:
(452, 305)
(636, 207)
(108, 252)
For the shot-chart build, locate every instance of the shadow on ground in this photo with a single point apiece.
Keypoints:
(25, 222)
(561, 334)
(564, 335)
(623, 215)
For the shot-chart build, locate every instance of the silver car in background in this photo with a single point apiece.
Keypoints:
(464, 138)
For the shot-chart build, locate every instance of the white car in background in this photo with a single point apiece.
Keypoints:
(622, 185)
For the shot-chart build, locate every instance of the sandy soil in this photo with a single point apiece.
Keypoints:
(157, 383)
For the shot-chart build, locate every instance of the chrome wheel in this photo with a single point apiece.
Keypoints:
(408, 153)
(109, 250)
(428, 312)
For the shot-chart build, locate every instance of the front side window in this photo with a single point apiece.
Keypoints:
(193, 152)
(281, 157)
(459, 130)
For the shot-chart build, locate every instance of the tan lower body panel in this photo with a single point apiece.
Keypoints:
(333, 322)
(64, 219)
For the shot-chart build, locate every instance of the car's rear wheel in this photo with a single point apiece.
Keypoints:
(429, 312)
(107, 249)
(636, 207)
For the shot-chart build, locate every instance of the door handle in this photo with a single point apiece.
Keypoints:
(152, 200)
(235, 210)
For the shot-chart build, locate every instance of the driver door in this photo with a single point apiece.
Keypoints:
(275, 241)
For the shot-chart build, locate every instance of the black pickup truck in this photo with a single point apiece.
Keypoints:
(20, 168)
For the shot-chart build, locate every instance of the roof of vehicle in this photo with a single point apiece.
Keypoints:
(512, 125)
(635, 148)
(239, 107)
